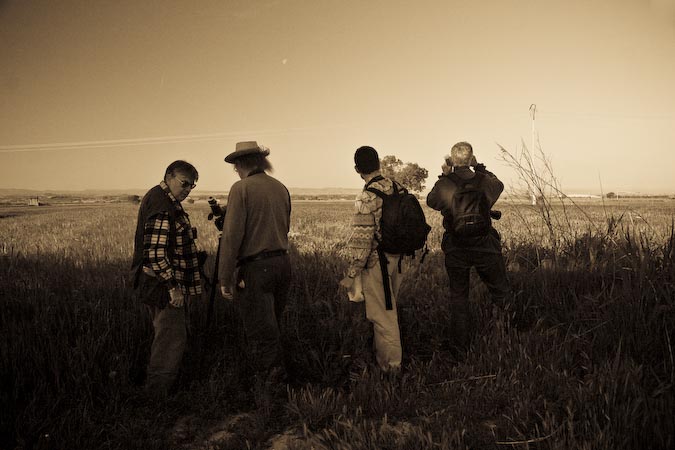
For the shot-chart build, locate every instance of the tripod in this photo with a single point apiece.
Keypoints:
(214, 283)
(217, 214)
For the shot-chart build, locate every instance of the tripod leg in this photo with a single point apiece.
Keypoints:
(214, 284)
(209, 311)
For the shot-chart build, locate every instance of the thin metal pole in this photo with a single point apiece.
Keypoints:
(533, 112)
(214, 284)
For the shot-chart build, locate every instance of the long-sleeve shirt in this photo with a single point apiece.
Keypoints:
(155, 246)
(365, 232)
(173, 262)
(257, 220)
(440, 197)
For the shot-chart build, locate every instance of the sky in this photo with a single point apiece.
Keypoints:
(105, 94)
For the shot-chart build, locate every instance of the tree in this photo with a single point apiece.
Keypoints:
(610, 195)
(409, 175)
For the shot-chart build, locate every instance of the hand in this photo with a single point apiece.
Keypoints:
(226, 294)
(177, 298)
(446, 169)
(201, 257)
(347, 282)
(354, 288)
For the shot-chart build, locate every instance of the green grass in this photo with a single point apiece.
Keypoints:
(582, 357)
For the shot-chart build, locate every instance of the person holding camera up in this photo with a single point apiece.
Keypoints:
(165, 271)
(255, 269)
(465, 198)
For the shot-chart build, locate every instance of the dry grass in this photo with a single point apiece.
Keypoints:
(581, 358)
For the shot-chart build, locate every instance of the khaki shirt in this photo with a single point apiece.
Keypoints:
(257, 220)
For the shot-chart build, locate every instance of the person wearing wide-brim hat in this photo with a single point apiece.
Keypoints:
(255, 269)
(245, 149)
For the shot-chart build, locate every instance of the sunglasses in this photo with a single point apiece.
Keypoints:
(187, 184)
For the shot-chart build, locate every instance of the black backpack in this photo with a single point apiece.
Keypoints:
(403, 227)
(470, 209)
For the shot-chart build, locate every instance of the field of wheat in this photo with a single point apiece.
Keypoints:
(581, 357)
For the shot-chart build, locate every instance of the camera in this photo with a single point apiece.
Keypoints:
(217, 213)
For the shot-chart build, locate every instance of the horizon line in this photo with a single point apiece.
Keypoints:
(570, 191)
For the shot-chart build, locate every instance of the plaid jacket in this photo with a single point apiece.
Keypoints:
(172, 257)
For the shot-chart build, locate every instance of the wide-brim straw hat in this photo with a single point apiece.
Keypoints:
(246, 148)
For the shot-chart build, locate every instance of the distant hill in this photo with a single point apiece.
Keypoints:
(20, 194)
(296, 192)
(328, 191)
(324, 191)
(82, 193)
(308, 191)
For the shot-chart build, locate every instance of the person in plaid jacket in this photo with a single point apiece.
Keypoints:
(166, 271)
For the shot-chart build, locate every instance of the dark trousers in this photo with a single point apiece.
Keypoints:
(261, 303)
(488, 261)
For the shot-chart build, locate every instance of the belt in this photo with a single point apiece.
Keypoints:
(261, 255)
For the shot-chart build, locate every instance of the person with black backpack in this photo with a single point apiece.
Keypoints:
(465, 198)
(388, 224)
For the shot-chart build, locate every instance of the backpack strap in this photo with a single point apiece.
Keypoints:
(373, 180)
(397, 188)
(478, 177)
(386, 283)
(461, 182)
(377, 192)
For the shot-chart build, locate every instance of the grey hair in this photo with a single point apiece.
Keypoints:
(256, 161)
(461, 154)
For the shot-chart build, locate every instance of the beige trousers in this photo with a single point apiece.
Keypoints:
(387, 338)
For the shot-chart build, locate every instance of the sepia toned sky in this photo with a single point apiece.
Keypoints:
(105, 94)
